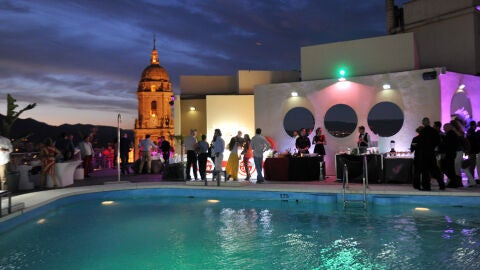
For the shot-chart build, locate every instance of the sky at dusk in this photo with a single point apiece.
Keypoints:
(81, 61)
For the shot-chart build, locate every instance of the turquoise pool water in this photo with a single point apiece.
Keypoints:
(157, 231)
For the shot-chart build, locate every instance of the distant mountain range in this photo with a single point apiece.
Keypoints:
(40, 131)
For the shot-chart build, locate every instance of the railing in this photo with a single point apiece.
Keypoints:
(345, 184)
(8, 194)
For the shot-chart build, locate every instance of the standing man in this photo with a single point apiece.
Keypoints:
(429, 140)
(303, 143)
(363, 140)
(239, 139)
(190, 146)
(146, 146)
(70, 149)
(125, 146)
(472, 152)
(5, 149)
(477, 139)
(202, 157)
(218, 148)
(165, 147)
(86, 151)
(259, 145)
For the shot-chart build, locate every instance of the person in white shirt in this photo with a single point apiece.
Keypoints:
(146, 146)
(86, 151)
(191, 146)
(259, 145)
(218, 149)
(5, 149)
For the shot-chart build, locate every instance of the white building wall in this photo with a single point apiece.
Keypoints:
(247, 79)
(416, 97)
(446, 33)
(360, 57)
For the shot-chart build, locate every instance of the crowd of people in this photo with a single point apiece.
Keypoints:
(241, 147)
(438, 153)
(302, 144)
(51, 152)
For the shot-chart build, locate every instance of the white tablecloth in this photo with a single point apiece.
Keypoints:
(64, 172)
(24, 183)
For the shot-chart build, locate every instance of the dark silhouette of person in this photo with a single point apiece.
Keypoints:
(125, 147)
(429, 139)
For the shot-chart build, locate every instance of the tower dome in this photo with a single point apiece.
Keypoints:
(154, 77)
(155, 72)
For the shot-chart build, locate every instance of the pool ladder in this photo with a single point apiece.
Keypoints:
(364, 184)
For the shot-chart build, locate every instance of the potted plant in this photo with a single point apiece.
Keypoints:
(13, 176)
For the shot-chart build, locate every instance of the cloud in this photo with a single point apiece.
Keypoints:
(83, 53)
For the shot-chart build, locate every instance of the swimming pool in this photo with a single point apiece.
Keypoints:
(208, 229)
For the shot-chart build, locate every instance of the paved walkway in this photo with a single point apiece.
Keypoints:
(107, 180)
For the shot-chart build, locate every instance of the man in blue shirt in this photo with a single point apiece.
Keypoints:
(146, 146)
(259, 145)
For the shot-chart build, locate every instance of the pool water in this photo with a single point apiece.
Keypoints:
(158, 232)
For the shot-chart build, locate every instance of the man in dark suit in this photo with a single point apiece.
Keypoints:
(429, 139)
(125, 146)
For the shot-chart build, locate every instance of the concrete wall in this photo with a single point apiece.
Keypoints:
(196, 119)
(361, 57)
(416, 11)
(247, 79)
(450, 83)
(416, 97)
(446, 33)
(230, 114)
(212, 85)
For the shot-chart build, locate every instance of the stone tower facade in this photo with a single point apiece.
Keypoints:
(154, 94)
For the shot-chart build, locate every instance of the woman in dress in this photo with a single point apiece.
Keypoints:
(247, 155)
(319, 141)
(48, 155)
(232, 164)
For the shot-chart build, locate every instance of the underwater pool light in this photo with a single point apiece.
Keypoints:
(213, 201)
(108, 202)
(41, 221)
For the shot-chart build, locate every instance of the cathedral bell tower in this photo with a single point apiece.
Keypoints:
(154, 94)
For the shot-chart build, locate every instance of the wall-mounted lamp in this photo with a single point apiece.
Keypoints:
(386, 86)
(294, 94)
(192, 108)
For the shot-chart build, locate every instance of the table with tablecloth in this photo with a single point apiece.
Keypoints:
(354, 165)
(398, 170)
(293, 168)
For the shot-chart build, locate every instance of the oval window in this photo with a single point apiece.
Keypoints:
(461, 106)
(341, 120)
(298, 118)
(385, 119)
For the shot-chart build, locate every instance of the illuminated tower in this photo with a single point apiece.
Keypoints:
(154, 95)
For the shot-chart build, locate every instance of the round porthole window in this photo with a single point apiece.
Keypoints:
(461, 106)
(341, 120)
(385, 119)
(298, 118)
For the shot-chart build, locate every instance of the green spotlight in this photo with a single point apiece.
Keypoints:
(342, 73)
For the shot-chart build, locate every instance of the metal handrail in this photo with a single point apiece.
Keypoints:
(5, 193)
(364, 182)
(344, 182)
